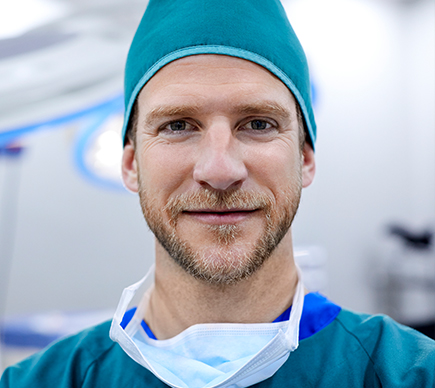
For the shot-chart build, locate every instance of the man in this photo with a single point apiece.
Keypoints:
(218, 144)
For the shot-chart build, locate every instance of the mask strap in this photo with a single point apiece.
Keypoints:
(292, 332)
(127, 296)
(139, 314)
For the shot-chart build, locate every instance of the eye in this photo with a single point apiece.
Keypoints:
(258, 125)
(258, 129)
(178, 125)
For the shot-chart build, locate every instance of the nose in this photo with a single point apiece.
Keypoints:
(220, 164)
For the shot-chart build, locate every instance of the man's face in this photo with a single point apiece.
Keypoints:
(217, 164)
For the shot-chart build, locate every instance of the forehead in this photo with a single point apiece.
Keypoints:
(210, 75)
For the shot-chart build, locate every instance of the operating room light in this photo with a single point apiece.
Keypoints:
(61, 64)
(98, 149)
(104, 155)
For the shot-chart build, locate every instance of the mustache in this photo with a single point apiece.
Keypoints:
(207, 199)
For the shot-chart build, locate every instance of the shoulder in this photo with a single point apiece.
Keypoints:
(89, 359)
(361, 350)
(399, 355)
(375, 332)
(65, 362)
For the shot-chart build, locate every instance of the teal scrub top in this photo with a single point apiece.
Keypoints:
(354, 350)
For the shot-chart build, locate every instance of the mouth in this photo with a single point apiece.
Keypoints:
(219, 217)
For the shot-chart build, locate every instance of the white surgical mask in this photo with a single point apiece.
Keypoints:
(222, 355)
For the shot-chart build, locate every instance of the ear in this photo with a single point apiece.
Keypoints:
(129, 168)
(308, 165)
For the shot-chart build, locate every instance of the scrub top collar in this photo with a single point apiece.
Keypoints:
(318, 312)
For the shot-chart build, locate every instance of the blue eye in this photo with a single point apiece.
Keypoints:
(177, 126)
(258, 124)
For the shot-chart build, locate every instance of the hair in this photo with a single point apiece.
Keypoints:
(132, 126)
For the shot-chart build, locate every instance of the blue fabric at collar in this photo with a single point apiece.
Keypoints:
(318, 313)
(127, 318)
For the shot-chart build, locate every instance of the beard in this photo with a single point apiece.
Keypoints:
(224, 261)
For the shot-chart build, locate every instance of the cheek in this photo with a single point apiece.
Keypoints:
(275, 166)
(164, 169)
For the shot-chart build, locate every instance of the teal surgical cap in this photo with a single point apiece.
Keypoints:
(255, 30)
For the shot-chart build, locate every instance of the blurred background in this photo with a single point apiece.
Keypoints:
(71, 237)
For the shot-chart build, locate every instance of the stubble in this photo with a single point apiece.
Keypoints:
(227, 261)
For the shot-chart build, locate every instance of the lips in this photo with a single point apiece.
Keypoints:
(219, 217)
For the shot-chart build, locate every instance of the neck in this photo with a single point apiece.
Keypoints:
(179, 301)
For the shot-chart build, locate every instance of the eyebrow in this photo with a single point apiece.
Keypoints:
(160, 112)
(263, 107)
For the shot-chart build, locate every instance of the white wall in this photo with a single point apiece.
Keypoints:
(373, 62)
(78, 245)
